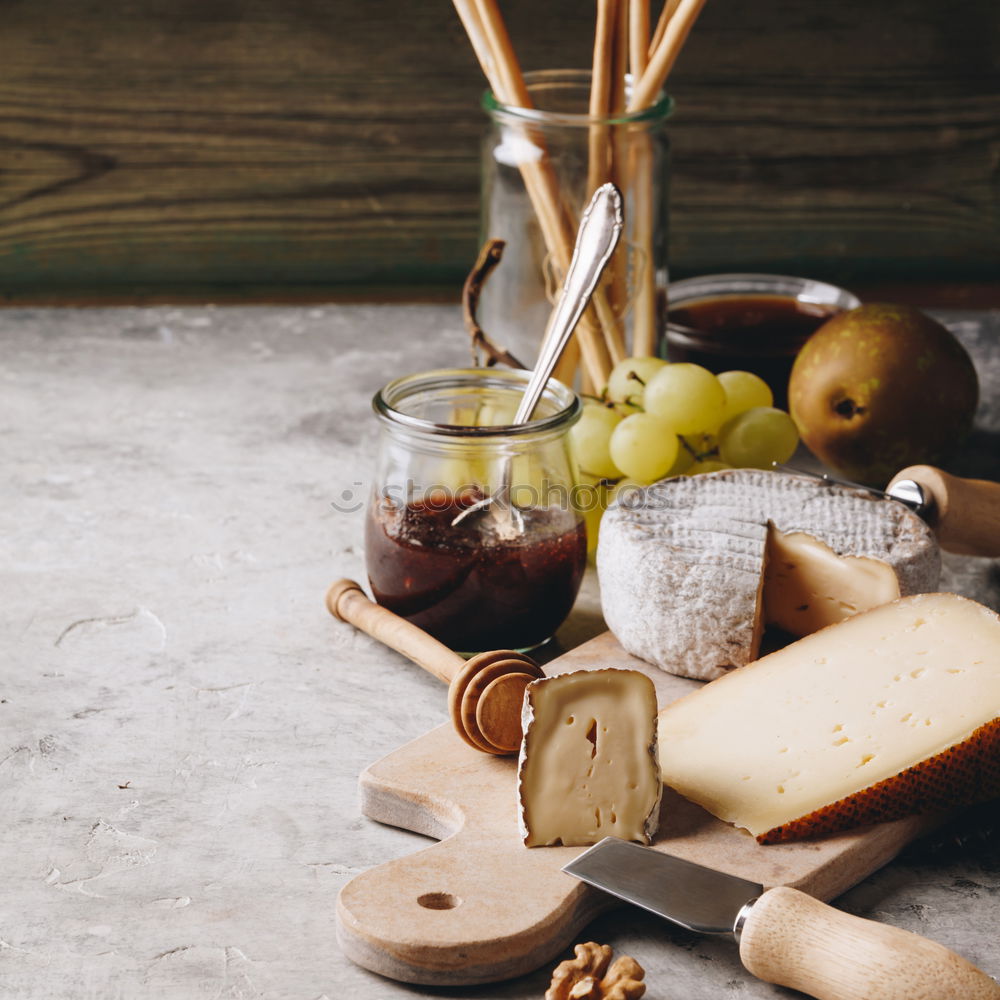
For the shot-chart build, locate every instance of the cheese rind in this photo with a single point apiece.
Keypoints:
(894, 711)
(929, 786)
(588, 763)
(681, 563)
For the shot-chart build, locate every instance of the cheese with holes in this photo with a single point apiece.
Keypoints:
(894, 711)
(691, 569)
(588, 767)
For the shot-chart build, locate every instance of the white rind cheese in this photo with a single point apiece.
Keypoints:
(588, 766)
(682, 563)
(893, 711)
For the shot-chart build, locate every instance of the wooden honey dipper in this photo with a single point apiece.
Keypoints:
(485, 693)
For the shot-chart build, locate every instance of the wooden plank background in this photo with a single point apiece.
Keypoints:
(259, 148)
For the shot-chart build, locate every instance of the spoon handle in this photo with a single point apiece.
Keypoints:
(600, 228)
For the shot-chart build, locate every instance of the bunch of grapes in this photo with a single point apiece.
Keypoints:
(656, 419)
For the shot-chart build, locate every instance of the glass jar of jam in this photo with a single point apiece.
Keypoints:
(750, 322)
(472, 530)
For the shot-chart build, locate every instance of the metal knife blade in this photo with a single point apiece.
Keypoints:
(691, 895)
(906, 491)
(964, 514)
(785, 937)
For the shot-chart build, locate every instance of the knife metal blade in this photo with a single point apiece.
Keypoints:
(785, 937)
(906, 491)
(691, 895)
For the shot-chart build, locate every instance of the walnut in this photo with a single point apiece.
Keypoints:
(588, 976)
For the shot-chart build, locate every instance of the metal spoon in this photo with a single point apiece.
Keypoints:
(596, 239)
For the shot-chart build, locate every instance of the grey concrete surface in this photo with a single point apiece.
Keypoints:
(183, 724)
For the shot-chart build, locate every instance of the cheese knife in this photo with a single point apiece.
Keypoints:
(964, 514)
(785, 936)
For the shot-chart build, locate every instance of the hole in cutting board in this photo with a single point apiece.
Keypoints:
(438, 901)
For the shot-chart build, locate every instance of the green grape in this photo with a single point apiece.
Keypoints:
(530, 481)
(628, 379)
(683, 461)
(628, 493)
(496, 414)
(591, 437)
(707, 465)
(688, 397)
(701, 445)
(625, 488)
(463, 416)
(743, 391)
(456, 474)
(627, 409)
(644, 447)
(757, 438)
(592, 497)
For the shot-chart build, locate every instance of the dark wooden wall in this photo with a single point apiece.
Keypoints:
(251, 148)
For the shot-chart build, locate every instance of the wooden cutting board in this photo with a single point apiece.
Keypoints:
(479, 906)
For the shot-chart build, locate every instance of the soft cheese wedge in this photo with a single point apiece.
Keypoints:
(692, 568)
(588, 767)
(894, 711)
(807, 586)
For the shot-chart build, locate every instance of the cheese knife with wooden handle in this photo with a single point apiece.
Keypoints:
(964, 514)
(785, 936)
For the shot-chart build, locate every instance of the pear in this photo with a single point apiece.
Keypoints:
(881, 387)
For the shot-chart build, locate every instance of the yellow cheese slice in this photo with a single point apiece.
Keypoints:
(587, 767)
(893, 711)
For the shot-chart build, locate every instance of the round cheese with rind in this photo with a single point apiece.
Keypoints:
(682, 564)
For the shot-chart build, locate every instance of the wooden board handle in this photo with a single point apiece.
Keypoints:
(966, 512)
(347, 601)
(477, 907)
(793, 940)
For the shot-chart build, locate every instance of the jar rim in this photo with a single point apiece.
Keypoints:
(659, 110)
(807, 290)
(385, 402)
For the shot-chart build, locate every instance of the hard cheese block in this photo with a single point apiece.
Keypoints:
(892, 712)
(588, 767)
(692, 568)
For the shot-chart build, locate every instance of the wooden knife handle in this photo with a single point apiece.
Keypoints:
(966, 512)
(793, 940)
(347, 601)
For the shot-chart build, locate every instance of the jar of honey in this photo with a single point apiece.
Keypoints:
(750, 322)
(473, 531)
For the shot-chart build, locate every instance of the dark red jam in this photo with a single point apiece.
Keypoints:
(469, 586)
(779, 318)
(757, 333)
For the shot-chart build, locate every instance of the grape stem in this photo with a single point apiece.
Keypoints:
(698, 456)
(609, 404)
(489, 257)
